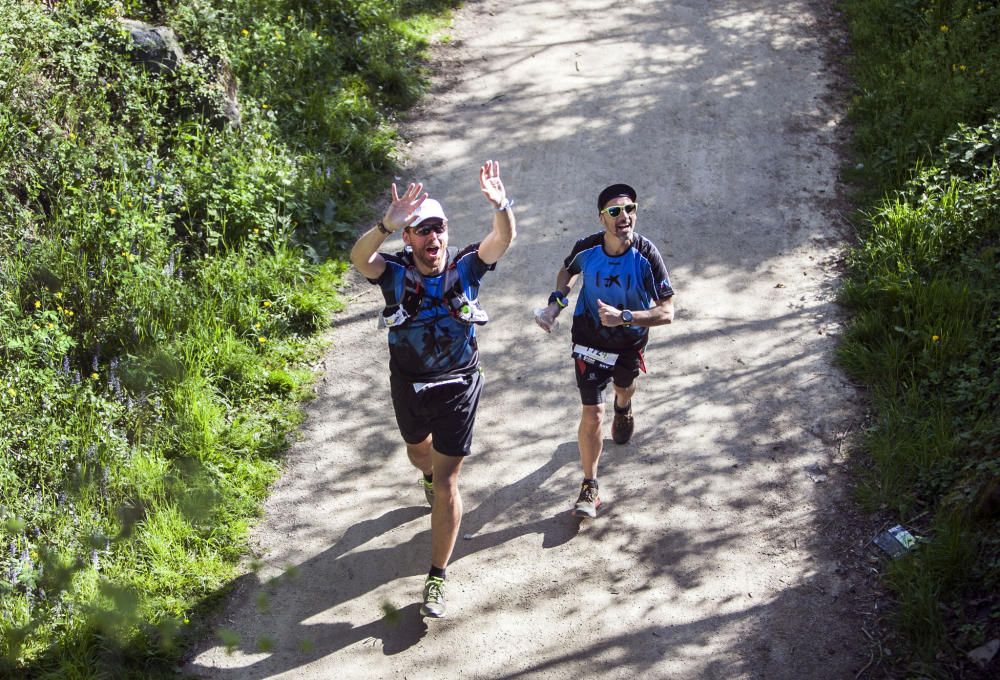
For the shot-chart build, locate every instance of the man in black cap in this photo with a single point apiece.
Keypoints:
(626, 291)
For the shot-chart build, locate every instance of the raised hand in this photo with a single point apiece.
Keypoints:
(402, 211)
(491, 184)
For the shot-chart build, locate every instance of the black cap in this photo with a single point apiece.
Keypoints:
(614, 191)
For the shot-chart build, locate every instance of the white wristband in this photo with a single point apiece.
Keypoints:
(507, 202)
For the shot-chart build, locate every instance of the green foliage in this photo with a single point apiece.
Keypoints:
(921, 67)
(924, 285)
(163, 278)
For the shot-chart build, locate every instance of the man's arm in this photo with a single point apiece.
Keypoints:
(564, 284)
(504, 229)
(365, 256)
(661, 313)
(401, 213)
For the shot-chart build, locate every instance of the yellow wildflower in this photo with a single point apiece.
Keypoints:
(267, 303)
(262, 339)
(944, 28)
(38, 304)
(245, 32)
(935, 338)
(93, 376)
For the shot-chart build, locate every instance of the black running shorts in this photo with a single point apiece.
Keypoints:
(593, 379)
(446, 410)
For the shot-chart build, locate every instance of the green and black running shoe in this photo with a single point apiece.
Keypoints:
(433, 598)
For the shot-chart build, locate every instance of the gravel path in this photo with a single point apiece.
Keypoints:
(727, 548)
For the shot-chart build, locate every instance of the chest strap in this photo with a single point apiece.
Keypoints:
(399, 311)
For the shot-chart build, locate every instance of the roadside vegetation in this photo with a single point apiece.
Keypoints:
(167, 267)
(924, 289)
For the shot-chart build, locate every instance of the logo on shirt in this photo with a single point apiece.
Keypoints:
(612, 280)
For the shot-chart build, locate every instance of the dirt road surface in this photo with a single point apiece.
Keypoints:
(725, 549)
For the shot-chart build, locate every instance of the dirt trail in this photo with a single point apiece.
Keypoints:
(723, 551)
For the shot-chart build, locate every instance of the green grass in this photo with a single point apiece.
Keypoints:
(165, 278)
(924, 290)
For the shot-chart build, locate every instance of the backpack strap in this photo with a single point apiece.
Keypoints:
(399, 311)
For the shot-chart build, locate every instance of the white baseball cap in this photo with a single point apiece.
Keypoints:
(429, 209)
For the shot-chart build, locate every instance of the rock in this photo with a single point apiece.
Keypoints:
(159, 51)
(156, 47)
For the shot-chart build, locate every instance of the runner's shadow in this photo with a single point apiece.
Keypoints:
(397, 630)
(360, 533)
(556, 529)
(343, 573)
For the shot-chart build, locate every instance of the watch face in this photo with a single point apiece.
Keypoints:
(626, 316)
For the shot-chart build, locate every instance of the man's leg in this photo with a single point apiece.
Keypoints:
(590, 439)
(623, 395)
(623, 423)
(446, 515)
(591, 443)
(420, 455)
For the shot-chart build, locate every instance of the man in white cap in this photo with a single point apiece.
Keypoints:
(626, 291)
(432, 309)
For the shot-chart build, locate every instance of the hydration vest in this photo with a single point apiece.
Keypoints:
(399, 311)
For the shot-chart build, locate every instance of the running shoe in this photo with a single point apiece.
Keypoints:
(428, 491)
(433, 598)
(588, 503)
(623, 424)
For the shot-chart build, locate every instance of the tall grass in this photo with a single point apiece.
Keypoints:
(164, 278)
(924, 287)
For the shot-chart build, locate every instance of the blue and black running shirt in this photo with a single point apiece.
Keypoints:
(433, 344)
(636, 279)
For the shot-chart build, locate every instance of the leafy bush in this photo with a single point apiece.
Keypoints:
(163, 276)
(924, 285)
(922, 67)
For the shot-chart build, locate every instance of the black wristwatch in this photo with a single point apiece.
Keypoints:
(626, 317)
(558, 298)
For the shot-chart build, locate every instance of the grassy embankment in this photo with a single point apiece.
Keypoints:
(924, 286)
(163, 282)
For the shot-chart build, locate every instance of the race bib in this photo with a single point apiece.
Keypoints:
(595, 356)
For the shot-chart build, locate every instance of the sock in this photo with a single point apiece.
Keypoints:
(429, 478)
(590, 482)
(435, 571)
(621, 409)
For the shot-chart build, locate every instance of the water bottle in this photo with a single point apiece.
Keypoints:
(542, 319)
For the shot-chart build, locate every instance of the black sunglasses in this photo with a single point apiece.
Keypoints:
(616, 210)
(425, 229)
